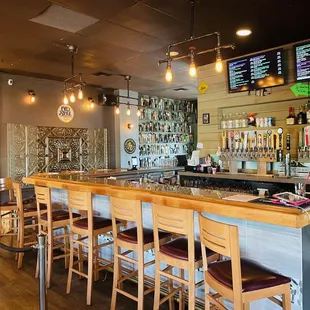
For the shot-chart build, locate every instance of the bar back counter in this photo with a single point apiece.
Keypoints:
(277, 237)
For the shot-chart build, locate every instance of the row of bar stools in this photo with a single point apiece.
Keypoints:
(85, 233)
(239, 280)
(137, 239)
(50, 222)
(27, 220)
(182, 252)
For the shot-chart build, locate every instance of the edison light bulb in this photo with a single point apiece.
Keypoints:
(128, 110)
(219, 65)
(168, 74)
(192, 70)
(66, 101)
(33, 98)
(92, 105)
(117, 110)
(72, 97)
(80, 94)
(139, 112)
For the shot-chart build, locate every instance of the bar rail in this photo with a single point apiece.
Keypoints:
(277, 215)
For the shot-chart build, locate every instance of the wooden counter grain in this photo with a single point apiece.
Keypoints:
(276, 215)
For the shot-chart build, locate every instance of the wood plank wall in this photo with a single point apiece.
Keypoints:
(217, 100)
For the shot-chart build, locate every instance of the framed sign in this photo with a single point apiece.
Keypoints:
(65, 113)
(130, 146)
(206, 118)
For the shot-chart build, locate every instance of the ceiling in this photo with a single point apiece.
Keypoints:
(132, 35)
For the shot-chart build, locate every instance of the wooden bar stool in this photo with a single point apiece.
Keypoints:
(50, 222)
(137, 239)
(8, 211)
(27, 220)
(87, 231)
(239, 280)
(182, 252)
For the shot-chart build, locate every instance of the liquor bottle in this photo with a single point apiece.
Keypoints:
(308, 111)
(301, 116)
(291, 119)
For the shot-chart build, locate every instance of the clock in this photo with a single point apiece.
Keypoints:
(130, 146)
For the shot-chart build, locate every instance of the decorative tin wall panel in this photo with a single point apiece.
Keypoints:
(46, 149)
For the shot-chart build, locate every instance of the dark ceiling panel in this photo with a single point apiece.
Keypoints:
(107, 32)
(150, 21)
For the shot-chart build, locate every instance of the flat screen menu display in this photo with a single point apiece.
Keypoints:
(302, 60)
(257, 71)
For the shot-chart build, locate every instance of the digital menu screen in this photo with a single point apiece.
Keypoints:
(302, 60)
(257, 71)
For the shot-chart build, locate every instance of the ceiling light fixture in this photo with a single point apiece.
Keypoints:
(218, 62)
(243, 32)
(192, 66)
(130, 126)
(117, 110)
(75, 81)
(170, 56)
(32, 96)
(91, 102)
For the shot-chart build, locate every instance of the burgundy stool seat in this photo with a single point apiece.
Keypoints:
(254, 276)
(59, 215)
(99, 222)
(178, 248)
(130, 235)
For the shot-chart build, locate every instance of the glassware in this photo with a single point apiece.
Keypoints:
(230, 121)
(224, 122)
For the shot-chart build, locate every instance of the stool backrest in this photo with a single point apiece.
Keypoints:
(127, 210)
(223, 239)
(43, 197)
(82, 202)
(6, 184)
(174, 220)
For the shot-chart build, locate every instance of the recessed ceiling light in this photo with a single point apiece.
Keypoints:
(244, 32)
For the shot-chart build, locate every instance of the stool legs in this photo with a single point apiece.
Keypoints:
(141, 279)
(191, 289)
(50, 246)
(80, 257)
(66, 246)
(71, 266)
(21, 239)
(96, 264)
(286, 298)
(170, 289)
(246, 307)
(157, 285)
(116, 275)
(90, 270)
(181, 293)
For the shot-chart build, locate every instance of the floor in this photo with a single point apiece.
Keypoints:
(19, 289)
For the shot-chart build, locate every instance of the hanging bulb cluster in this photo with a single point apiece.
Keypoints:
(72, 97)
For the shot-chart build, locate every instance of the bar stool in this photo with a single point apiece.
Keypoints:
(137, 239)
(239, 280)
(86, 228)
(50, 222)
(8, 210)
(27, 220)
(181, 252)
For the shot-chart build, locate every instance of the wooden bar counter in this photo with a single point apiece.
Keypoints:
(275, 236)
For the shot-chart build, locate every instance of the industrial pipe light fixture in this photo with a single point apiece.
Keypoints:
(75, 81)
(173, 56)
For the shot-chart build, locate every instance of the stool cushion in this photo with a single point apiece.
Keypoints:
(178, 248)
(254, 276)
(130, 235)
(59, 215)
(99, 223)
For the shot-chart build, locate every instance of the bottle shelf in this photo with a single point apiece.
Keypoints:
(167, 156)
(163, 143)
(166, 132)
(251, 128)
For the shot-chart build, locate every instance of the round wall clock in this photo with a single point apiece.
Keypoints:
(130, 146)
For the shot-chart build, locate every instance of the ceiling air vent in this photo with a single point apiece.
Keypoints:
(100, 73)
(181, 89)
(59, 17)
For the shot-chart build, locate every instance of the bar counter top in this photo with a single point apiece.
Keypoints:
(203, 200)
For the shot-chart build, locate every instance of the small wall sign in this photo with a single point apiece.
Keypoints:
(203, 87)
(65, 113)
(206, 118)
(130, 146)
